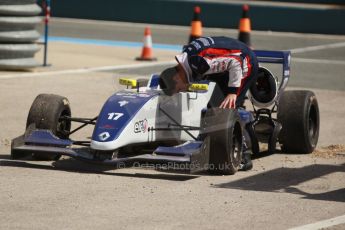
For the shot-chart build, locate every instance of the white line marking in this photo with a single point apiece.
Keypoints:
(315, 48)
(322, 224)
(86, 70)
(141, 65)
(318, 61)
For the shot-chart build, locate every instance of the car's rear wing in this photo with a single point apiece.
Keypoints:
(279, 57)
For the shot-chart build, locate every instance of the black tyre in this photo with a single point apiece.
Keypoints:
(226, 137)
(298, 113)
(45, 113)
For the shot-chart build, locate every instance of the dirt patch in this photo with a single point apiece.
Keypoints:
(5, 142)
(330, 151)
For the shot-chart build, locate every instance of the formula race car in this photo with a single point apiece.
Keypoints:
(142, 125)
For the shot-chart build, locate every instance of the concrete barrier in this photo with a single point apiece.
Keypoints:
(321, 19)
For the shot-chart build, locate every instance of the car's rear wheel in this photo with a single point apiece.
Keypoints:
(225, 131)
(298, 113)
(45, 113)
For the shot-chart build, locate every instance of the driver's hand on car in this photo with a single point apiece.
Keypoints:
(229, 102)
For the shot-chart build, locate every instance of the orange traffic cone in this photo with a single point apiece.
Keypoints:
(196, 25)
(245, 27)
(146, 54)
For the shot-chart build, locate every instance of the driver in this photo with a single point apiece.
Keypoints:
(226, 61)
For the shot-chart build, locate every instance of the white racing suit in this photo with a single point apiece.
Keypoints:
(226, 61)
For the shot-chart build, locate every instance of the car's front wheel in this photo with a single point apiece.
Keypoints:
(226, 140)
(45, 113)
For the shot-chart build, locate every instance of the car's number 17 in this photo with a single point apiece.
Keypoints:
(114, 116)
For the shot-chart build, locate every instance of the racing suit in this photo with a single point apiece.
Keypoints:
(226, 61)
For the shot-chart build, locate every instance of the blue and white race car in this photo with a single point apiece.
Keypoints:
(142, 125)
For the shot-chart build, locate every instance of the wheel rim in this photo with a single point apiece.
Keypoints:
(236, 142)
(63, 126)
(312, 124)
(235, 147)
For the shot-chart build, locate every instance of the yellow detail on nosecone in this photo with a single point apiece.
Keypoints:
(198, 87)
(128, 82)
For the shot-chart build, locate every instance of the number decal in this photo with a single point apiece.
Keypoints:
(114, 116)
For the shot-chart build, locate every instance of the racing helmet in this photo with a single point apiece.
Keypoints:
(264, 91)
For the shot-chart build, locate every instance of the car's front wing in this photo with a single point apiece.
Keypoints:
(191, 156)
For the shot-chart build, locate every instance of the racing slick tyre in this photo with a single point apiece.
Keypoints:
(45, 113)
(224, 128)
(298, 112)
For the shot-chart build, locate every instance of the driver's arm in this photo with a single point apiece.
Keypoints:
(232, 65)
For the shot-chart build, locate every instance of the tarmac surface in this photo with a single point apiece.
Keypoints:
(282, 191)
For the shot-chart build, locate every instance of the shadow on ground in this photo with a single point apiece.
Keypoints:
(71, 165)
(5, 157)
(287, 179)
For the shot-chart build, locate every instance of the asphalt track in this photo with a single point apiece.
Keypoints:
(282, 191)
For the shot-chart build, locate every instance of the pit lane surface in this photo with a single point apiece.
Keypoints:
(282, 191)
